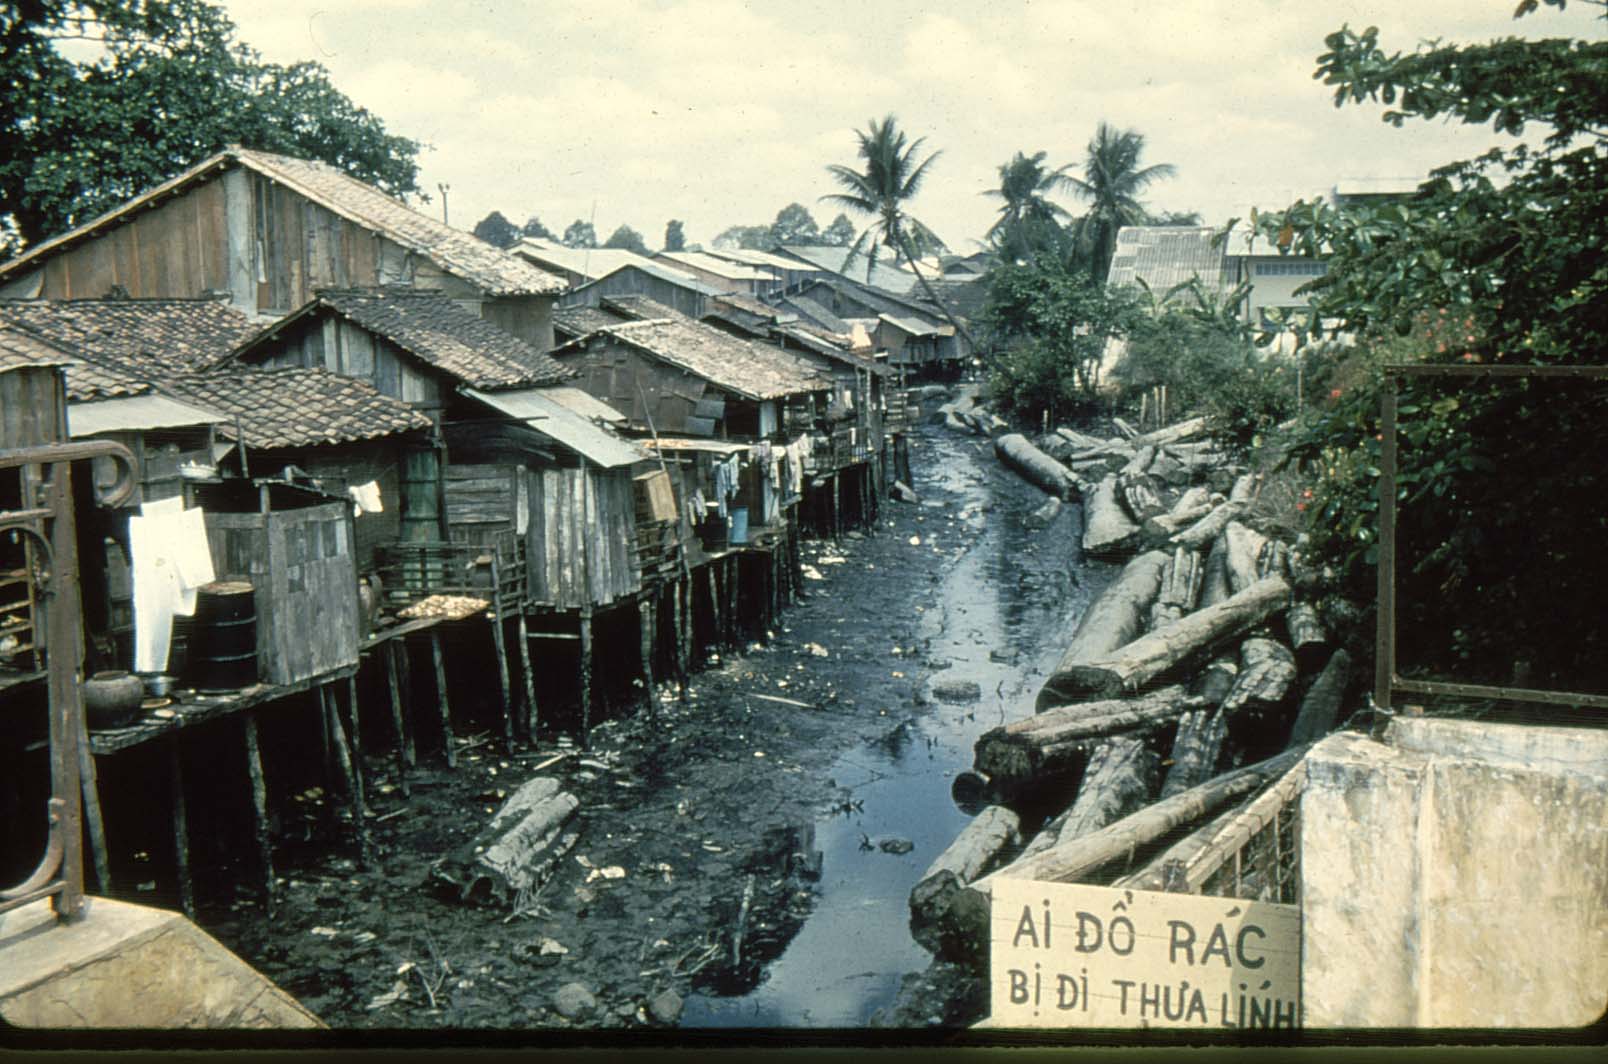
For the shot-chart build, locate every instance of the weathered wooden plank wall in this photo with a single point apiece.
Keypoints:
(580, 540)
(304, 585)
(32, 411)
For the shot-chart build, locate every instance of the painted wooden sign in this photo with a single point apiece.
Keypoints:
(1069, 955)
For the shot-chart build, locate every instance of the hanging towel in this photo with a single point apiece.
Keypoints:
(366, 498)
(170, 561)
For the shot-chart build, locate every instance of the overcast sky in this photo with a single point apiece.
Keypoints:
(720, 112)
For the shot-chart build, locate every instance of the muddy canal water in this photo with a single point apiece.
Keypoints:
(1003, 607)
(840, 736)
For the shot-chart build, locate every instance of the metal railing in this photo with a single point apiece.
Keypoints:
(1387, 679)
(48, 523)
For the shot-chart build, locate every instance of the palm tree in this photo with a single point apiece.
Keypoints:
(1112, 181)
(1027, 214)
(891, 176)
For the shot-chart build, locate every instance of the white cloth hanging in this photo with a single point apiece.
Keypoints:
(170, 560)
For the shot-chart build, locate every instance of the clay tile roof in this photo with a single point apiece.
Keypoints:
(299, 407)
(19, 349)
(491, 269)
(640, 308)
(578, 321)
(756, 371)
(435, 330)
(143, 336)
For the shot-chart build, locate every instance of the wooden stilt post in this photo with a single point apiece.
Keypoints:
(645, 619)
(353, 740)
(837, 503)
(502, 656)
(683, 649)
(442, 705)
(259, 810)
(181, 829)
(348, 770)
(586, 675)
(715, 629)
(89, 787)
(404, 685)
(397, 722)
(530, 678)
(733, 632)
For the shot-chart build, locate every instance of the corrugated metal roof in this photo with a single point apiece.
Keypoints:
(884, 274)
(584, 404)
(1164, 256)
(590, 263)
(682, 443)
(542, 412)
(732, 271)
(912, 326)
(458, 253)
(137, 414)
(763, 259)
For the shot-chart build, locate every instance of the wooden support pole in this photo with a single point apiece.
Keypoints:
(683, 642)
(443, 707)
(352, 738)
(530, 678)
(645, 617)
(586, 675)
(733, 632)
(181, 829)
(714, 605)
(837, 506)
(404, 682)
(89, 787)
(348, 770)
(397, 722)
(259, 810)
(502, 678)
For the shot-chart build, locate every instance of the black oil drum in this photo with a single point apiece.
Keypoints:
(223, 637)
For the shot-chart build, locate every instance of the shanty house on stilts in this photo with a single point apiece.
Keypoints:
(527, 496)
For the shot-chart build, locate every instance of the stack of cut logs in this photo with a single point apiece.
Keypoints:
(1195, 680)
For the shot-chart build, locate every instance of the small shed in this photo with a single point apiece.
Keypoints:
(675, 288)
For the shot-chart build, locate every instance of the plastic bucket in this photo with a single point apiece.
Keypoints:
(739, 524)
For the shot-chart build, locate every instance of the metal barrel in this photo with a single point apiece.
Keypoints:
(223, 637)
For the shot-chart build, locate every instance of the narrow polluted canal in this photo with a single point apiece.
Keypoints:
(744, 855)
(1004, 609)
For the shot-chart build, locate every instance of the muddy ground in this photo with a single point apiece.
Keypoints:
(723, 789)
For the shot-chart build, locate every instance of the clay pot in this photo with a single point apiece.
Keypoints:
(112, 699)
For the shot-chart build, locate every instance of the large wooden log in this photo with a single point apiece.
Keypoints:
(967, 932)
(1208, 528)
(1132, 667)
(1174, 433)
(1080, 441)
(1107, 528)
(1180, 588)
(1320, 709)
(1309, 638)
(1038, 468)
(1266, 674)
(1141, 496)
(1139, 462)
(515, 852)
(1121, 776)
(1167, 871)
(1244, 547)
(1214, 586)
(992, 832)
(1198, 742)
(1054, 741)
(1115, 619)
(1190, 507)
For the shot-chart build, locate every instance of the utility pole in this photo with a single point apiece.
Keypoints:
(442, 188)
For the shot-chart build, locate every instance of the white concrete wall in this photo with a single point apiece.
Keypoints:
(1456, 875)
